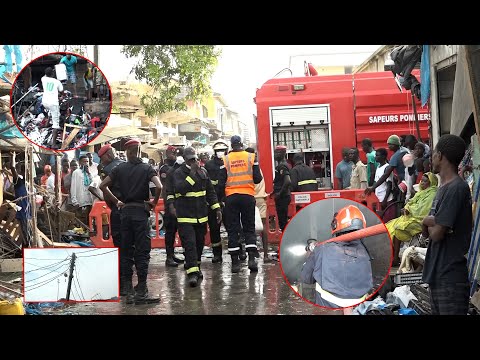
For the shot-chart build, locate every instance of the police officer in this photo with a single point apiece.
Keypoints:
(109, 161)
(193, 190)
(214, 167)
(241, 173)
(302, 177)
(132, 179)
(281, 186)
(169, 219)
(347, 285)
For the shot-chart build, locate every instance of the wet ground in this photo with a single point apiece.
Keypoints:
(220, 292)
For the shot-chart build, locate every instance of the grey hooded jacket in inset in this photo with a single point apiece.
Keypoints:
(343, 269)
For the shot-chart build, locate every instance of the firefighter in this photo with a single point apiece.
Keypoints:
(281, 186)
(302, 177)
(109, 161)
(214, 167)
(132, 179)
(347, 285)
(169, 219)
(192, 189)
(241, 173)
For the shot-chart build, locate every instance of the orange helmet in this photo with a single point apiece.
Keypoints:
(347, 219)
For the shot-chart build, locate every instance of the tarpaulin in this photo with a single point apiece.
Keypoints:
(425, 75)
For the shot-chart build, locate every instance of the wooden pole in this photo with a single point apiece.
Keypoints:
(33, 203)
(416, 117)
(58, 193)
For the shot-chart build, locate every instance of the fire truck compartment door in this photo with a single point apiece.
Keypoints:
(299, 116)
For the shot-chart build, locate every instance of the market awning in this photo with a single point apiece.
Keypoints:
(116, 132)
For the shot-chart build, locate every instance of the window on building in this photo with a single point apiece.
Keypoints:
(205, 112)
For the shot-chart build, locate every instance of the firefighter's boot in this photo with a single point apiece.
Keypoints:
(193, 278)
(217, 255)
(170, 261)
(141, 294)
(177, 260)
(252, 261)
(235, 264)
(126, 289)
(126, 286)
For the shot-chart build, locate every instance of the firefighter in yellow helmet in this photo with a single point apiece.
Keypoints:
(346, 285)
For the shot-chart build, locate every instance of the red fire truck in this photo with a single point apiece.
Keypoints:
(317, 116)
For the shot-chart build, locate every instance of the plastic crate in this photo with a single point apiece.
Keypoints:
(408, 279)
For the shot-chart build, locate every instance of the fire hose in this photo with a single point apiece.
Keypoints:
(359, 234)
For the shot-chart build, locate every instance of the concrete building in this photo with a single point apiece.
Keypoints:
(376, 61)
(203, 122)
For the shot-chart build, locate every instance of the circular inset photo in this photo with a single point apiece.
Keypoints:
(61, 101)
(335, 253)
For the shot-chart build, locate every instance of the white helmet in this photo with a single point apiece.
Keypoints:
(219, 146)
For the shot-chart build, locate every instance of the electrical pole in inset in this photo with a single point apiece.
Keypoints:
(70, 277)
(95, 54)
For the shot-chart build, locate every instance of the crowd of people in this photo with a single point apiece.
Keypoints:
(227, 188)
(430, 190)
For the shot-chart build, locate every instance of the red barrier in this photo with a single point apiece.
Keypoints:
(158, 241)
(302, 199)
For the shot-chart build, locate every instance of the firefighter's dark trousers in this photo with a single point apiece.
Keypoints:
(170, 230)
(193, 241)
(136, 243)
(214, 232)
(281, 205)
(242, 205)
(115, 224)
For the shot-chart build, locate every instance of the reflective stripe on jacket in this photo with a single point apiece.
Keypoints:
(194, 195)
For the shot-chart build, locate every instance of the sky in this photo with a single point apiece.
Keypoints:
(95, 274)
(243, 68)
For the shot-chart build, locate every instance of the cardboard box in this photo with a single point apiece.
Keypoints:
(61, 72)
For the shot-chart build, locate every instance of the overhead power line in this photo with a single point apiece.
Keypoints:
(79, 256)
(51, 271)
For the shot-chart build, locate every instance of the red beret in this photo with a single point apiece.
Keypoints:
(280, 147)
(171, 148)
(132, 142)
(104, 149)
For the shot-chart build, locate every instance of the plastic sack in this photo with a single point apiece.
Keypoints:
(258, 221)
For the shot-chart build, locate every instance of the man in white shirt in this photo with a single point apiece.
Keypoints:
(51, 89)
(384, 190)
(81, 197)
(51, 183)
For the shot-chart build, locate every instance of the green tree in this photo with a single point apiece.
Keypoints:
(177, 74)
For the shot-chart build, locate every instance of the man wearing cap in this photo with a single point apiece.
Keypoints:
(109, 161)
(395, 163)
(240, 175)
(281, 186)
(214, 167)
(193, 191)
(170, 221)
(131, 179)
